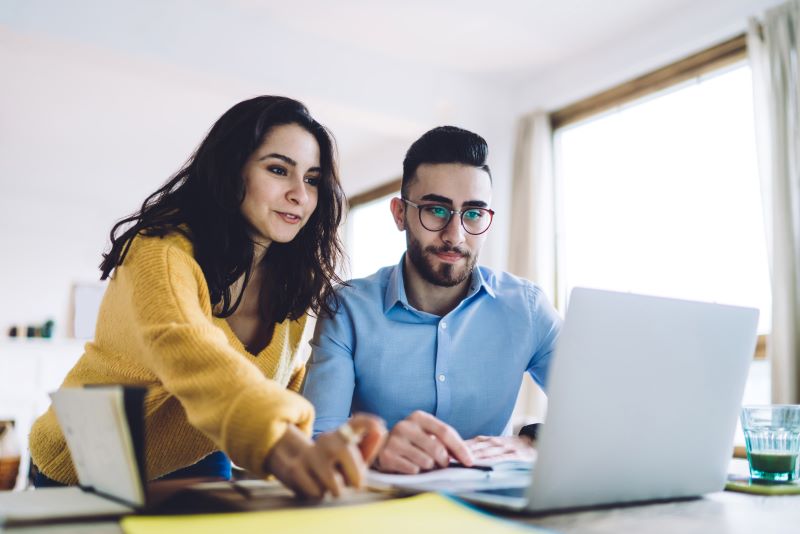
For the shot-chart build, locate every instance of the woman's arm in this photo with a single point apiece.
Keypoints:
(224, 395)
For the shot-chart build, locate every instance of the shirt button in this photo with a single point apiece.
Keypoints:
(443, 325)
(441, 378)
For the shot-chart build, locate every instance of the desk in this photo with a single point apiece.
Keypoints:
(717, 513)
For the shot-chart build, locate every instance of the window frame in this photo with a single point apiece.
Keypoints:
(375, 193)
(695, 65)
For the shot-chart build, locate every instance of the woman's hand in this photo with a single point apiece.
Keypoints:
(312, 469)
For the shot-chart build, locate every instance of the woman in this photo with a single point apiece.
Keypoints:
(210, 286)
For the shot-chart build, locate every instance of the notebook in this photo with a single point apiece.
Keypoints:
(643, 398)
(104, 431)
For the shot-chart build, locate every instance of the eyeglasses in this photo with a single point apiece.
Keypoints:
(435, 217)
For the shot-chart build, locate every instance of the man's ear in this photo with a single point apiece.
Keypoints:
(398, 208)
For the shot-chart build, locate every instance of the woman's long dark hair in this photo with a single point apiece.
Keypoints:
(203, 202)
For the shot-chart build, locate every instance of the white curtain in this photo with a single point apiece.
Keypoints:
(532, 247)
(773, 50)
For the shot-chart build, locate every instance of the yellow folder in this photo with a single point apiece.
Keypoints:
(428, 512)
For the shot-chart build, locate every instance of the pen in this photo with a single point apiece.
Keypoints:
(478, 467)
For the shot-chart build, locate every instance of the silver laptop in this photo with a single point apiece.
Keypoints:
(643, 399)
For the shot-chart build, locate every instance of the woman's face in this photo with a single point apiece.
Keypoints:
(281, 180)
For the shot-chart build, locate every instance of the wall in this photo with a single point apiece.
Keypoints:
(89, 126)
(102, 101)
(85, 136)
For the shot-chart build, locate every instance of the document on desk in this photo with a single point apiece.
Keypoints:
(428, 512)
(457, 478)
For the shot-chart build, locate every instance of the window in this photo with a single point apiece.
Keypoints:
(372, 240)
(658, 193)
(662, 197)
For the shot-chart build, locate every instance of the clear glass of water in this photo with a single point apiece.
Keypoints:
(772, 437)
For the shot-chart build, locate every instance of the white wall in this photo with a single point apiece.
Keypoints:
(92, 120)
(650, 45)
(101, 101)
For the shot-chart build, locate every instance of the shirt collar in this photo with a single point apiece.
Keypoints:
(478, 282)
(396, 289)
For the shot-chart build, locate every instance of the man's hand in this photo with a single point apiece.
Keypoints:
(488, 449)
(312, 469)
(421, 442)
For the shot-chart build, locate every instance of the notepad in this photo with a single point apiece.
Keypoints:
(458, 478)
(427, 512)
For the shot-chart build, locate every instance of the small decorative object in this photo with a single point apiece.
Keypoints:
(9, 456)
(44, 330)
(47, 329)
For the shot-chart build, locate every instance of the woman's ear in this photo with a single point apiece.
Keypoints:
(398, 208)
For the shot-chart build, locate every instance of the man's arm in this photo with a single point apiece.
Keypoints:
(330, 379)
(546, 325)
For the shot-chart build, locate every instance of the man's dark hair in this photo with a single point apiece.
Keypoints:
(445, 144)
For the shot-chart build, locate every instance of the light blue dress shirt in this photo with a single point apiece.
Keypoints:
(378, 354)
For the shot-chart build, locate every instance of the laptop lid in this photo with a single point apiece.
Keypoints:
(643, 397)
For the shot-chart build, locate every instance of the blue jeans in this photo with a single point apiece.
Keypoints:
(215, 464)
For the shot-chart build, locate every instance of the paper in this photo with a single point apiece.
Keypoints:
(428, 512)
(450, 480)
(451, 474)
(505, 472)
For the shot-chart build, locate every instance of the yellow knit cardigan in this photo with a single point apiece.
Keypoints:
(205, 391)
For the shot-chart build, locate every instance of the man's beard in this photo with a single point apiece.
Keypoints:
(447, 275)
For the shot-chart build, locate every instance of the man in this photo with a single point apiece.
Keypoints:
(435, 345)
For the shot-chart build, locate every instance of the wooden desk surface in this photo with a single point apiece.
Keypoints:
(716, 513)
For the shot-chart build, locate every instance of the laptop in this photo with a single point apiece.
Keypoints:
(643, 398)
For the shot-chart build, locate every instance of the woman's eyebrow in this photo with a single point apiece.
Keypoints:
(288, 160)
(281, 157)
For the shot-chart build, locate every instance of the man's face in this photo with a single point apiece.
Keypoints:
(448, 256)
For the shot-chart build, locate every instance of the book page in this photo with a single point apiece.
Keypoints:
(96, 429)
